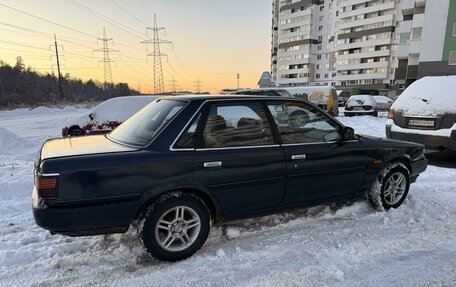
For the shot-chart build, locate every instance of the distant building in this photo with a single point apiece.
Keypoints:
(368, 46)
(265, 80)
(427, 40)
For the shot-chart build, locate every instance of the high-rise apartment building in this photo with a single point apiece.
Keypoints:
(427, 39)
(361, 45)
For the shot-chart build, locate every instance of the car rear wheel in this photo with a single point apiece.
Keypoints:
(391, 187)
(175, 227)
(76, 132)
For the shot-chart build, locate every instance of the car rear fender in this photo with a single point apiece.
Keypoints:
(199, 191)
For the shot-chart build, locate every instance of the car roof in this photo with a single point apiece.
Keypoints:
(226, 97)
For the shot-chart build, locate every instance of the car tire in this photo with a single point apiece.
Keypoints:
(390, 188)
(175, 227)
(76, 132)
(376, 113)
(298, 119)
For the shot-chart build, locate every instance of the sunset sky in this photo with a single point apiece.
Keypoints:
(213, 39)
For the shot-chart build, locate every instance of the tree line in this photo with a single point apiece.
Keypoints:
(22, 86)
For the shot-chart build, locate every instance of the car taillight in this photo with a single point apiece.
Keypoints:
(348, 108)
(46, 187)
(367, 108)
(391, 114)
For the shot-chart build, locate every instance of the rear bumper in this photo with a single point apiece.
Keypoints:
(358, 113)
(87, 220)
(432, 142)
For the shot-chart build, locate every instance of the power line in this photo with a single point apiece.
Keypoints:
(48, 21)
(131, 14)
(107, 19)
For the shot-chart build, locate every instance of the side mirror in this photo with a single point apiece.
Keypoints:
(92, 116)
(348, 133)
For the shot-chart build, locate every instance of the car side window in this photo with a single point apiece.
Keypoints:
(236, 125)
(189, 136)
(303, 123)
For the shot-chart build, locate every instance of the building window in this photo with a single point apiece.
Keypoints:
(320, 18)
(452, 60)
(318, 57)
(317, 76)
(322, 7)
(454, 29)
(320, 28)
(416, 33)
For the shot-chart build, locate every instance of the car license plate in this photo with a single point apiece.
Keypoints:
(421, 123)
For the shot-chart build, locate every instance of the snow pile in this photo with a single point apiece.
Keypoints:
(429, 96)
(10, 143)
(336, 245)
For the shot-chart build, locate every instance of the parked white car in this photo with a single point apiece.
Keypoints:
(106, 116)
(361, 105)
(383, 102)
(426, 113)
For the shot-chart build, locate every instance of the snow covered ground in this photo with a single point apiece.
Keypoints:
(352, 245)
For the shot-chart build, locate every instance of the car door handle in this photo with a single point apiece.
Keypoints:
(298, 156)
(213, 164)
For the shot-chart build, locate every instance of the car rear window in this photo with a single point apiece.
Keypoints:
(141, 128)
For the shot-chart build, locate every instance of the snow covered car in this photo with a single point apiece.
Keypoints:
(185, 162)
(426, 113)
(106, 116)
(383, 102)
(361, 105)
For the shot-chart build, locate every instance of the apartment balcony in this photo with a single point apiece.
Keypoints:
(362, 66)
(403, 51)
(366, 10)
(414, 47)
(364, 43)
(418, 20)
(407, 7)
(293, 71)
(405, 27)
(342, 26)
(380, 53)
(294, 81)
(375, 76)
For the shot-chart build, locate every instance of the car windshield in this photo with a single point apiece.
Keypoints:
(144, 125)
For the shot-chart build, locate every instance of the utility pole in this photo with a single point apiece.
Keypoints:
(58, 66)
(106, 59)
(174, 85)
(198, 85)
(157, 55)
(238, 76)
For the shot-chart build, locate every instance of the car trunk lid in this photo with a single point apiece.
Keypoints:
(75, 146)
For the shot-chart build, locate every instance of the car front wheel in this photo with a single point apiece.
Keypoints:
(175, 227)
(390, 188)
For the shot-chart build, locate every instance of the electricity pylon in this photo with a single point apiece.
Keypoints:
(106, 60)
(174, 85)
(157, 55)
(198, 85)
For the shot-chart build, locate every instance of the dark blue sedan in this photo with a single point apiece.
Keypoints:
(185, 162)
